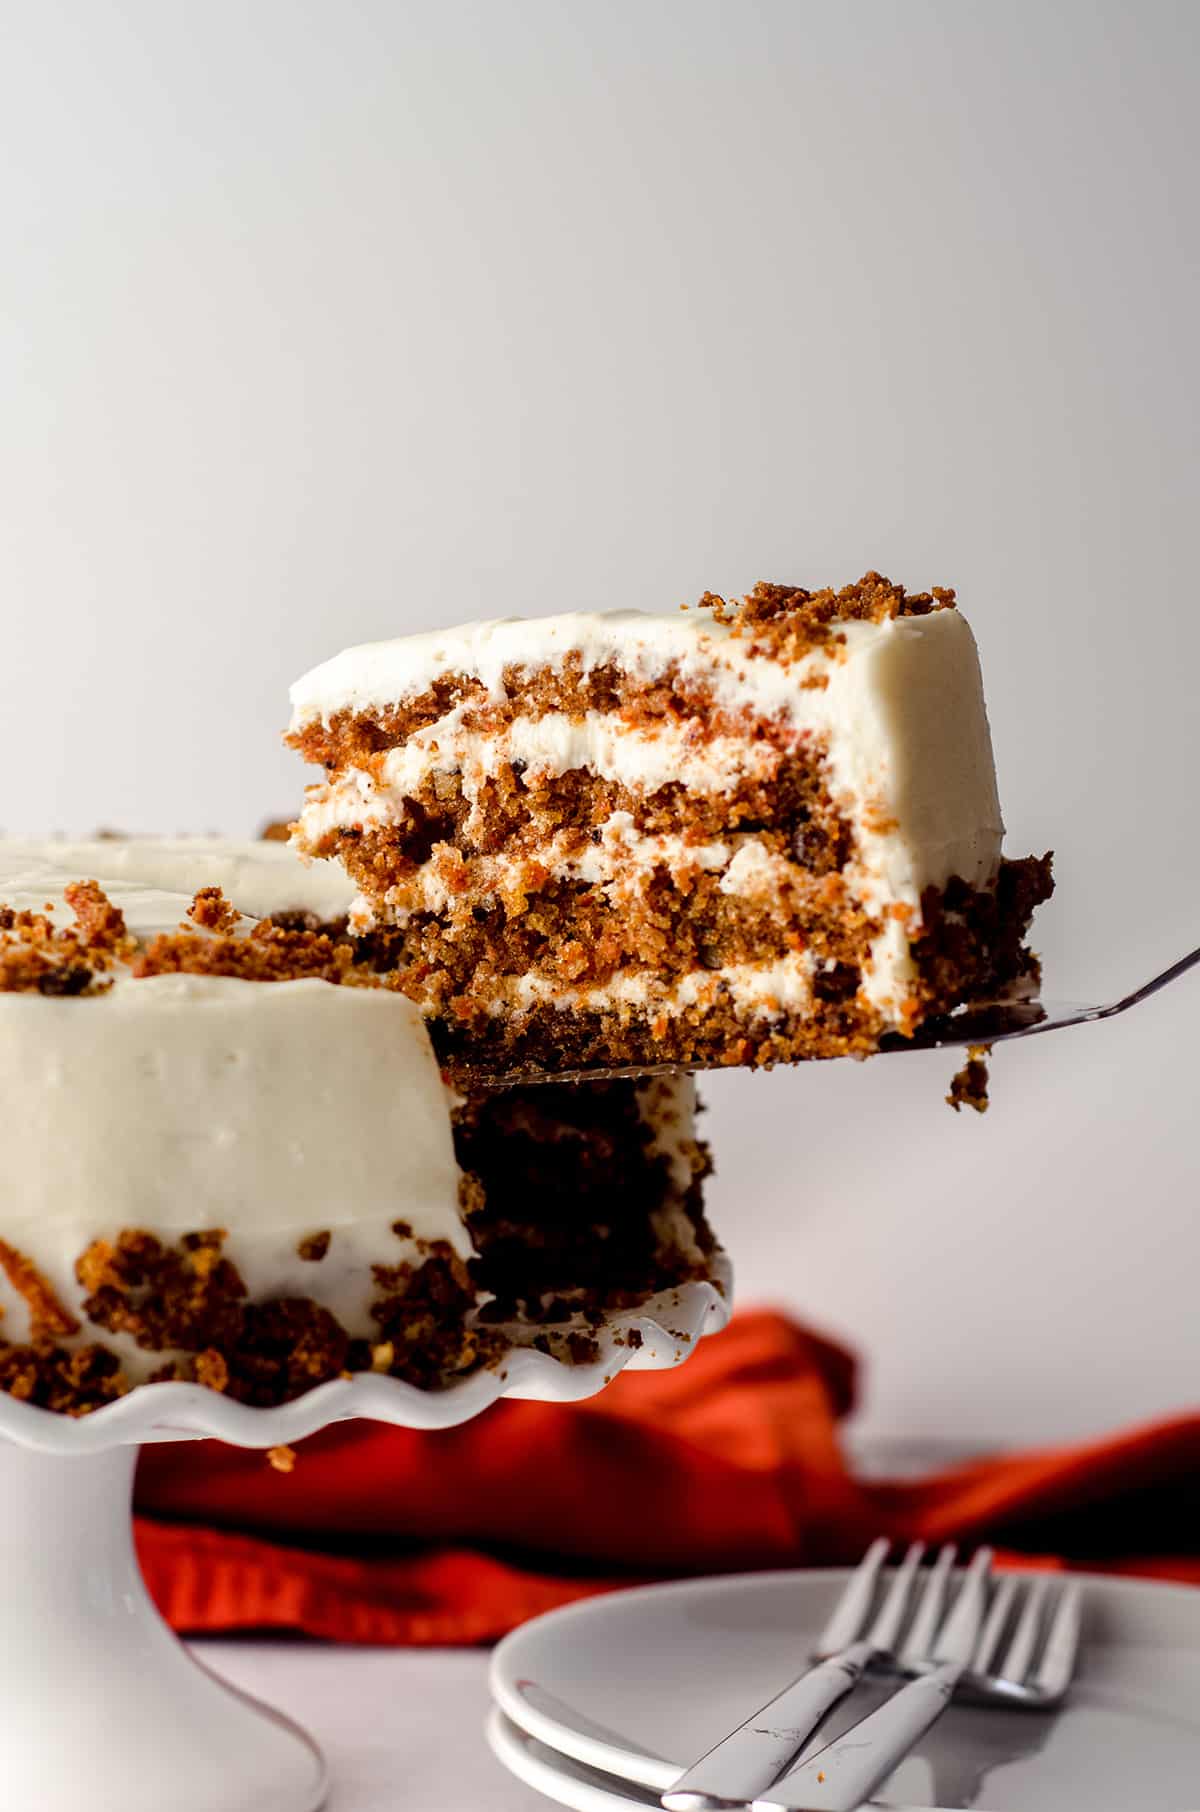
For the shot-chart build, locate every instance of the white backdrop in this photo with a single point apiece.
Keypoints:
(322, 320)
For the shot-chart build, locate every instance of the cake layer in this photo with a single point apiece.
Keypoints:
(229, 1157)
(971, 946)
(722, 836)
(584, 1192)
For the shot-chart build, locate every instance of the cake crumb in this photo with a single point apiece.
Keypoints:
(283, 1459)
(786, 622)
(969, 1088)
(211, 1370)
(101, 924)
(36, 955)
(211, 910)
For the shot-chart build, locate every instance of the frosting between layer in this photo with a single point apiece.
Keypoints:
(765, 990)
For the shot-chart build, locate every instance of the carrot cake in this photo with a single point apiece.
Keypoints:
(229, 1157)
(740, 834)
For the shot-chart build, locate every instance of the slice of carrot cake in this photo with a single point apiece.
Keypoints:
(741, 834)
(229, 1157)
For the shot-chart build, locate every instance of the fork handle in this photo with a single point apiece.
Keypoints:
(750, 1758)
(844, 1774)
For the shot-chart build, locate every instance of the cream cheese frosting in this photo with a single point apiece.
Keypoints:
(257, 877)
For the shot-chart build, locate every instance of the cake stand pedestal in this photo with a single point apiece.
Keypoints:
(101, 1706)
(102, 1709)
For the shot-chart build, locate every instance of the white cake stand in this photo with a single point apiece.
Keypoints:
(102, 1709)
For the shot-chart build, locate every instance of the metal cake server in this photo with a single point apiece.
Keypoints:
(995, 1022)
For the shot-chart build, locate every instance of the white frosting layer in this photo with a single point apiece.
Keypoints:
(377, 674)
(178, 1103)
(897, 708)
(258, 878)
(667, 1105)
(762, 990)
(147, 910)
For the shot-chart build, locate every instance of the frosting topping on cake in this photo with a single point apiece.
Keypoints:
(257, 877)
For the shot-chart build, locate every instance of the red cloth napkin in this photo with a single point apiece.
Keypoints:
(733, 1461)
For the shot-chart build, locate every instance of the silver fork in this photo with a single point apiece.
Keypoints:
(752, 1757)
(1040, 1652)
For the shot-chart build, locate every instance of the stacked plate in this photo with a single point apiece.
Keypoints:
(601, 1706)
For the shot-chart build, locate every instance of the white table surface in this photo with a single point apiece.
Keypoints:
(402, 1729)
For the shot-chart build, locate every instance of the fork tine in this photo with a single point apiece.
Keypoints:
(853, 1608)
(958, 1636)
(1018, 1657)
(884, 1633)
(997, 1618)
(919, 1641)
(1058, 1657)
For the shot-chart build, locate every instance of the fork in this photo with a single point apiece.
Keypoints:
(752, 1757)
(1040, 1651)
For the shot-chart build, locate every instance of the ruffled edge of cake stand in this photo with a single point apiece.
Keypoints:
(670, 1324)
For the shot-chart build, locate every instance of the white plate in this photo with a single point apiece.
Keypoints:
(557, 1776)
(571, 1783)
(636, 1685)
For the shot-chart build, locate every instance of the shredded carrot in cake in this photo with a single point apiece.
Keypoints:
(46, 1314)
